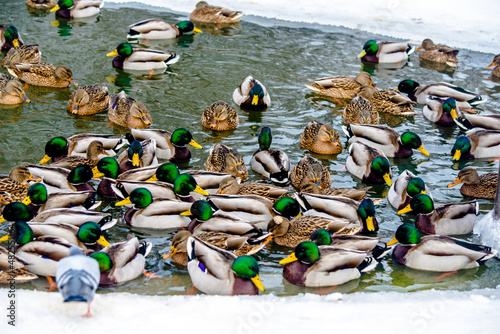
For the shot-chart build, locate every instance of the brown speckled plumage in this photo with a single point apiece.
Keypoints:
(225, 160)
(220, 116)
(361, 111)
(320, 138)
(475, 185)
(340, 86)
(388, 101)
(310, 170)
(89, 100)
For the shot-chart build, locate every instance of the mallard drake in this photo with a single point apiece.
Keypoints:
(404, 188)
(43, 74)
(251, 94)
(231, 186)
(58, 179)
(9, 38)
(369, 164)
(13, 268)
(239, 245)
(27, 53)
(59, 147)
(442, 112)
(469, 121)
(128, 112)
(220, 116)
(89, 100)
(438, 53)
(128, 58)
(159, 29)
(385, 52)
(338, 207)
(139, 154)
(123, 261)
(16, 211)
(436, 252)
(477, 143)
(474, 185)
(110, 168)
(154, 213)
(444, 90)
(223, 159)
(355, 194)
(75, 216)
(385, 139)
(214, 14)
(11, 91)
(272, 164)
(388, 100)
(169, 145)
(94, 151)
(289, 233)
(41, 4)
(310, 170)
(496, 64)
(69, 9)
(360, 110)
(311, 265)
(77, 278)
(448, 219)
(13, 188)
(320, 138)
(341, 86)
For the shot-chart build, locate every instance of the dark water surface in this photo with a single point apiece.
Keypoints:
(281, 55)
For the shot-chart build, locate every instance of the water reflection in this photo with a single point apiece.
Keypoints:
(440, 67)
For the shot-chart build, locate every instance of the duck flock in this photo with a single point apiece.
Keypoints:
(220, 219)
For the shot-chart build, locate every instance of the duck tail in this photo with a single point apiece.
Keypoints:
(347, 130)
(463, 123)
(368, 264)
(174, 58)
(476, 100)
(380, 251)
(410, 49)
(145, 248)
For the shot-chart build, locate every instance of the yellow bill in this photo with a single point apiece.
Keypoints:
(112, 53)
(27, 200)
(454, 183)
(135, 160)
(103, 242)
(457, 155)
(45, 159)
(405, 210)
(200, 190)
(255, 100)
(369, 224)
(55, 8)
(387, 179)
(392, 242)
(5, 238)
(362, 54)
(123, 202)
(258, 283)
(195, 144)
(289, 259)
(186, 213)
(423, 150)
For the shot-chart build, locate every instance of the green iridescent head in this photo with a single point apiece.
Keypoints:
(37, 194)
(201, 210)
(246, 267)
(415, 186)
(21, 233)
(265, 138)
(321, 236)
(124, 49)
(411, 140)
(461, 147)
(109, 167)
(65, 4)
(287, 207)
(184, 184)
(55, 147)
(449, 106)
(15, 211)
(186, 26)
(408, 86)
(370, 47)
(182, 137)
(80, 174)
(422, 204)
(382, 169)
(256, 93)
(307, 252)
(105, 262)
(135, 151)
(11, 35)
(408, 234)
(167, 172)
(89, 232)
(366, 212)
(141, 197)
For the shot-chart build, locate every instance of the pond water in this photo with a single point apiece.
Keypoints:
(212, 64)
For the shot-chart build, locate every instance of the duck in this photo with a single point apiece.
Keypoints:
(231, 186)
(404, 188)
(75, 216)
(477, 143)
(159, 29)
(320, 138)
(126, 111)
(13, 268)
(110, 169)
(206, 13)
(442, 112)
(169, 145)
(77, 278)
(11, 91)
(469, 121)
(74, 9)
(43, 74)
(41, 4)
(310, 170)
(496, 66)
(251, 94)
(272, 164)
(338, 207)
(311, 265)
(239, 245)
(438, 53)
(139, 154)
(14, 187)
(447, 219)
(94, 151)
(388, 101)
(122, 261)
(220, 116)
(341, 86)
(26, 53)
(223, 159)
(355, 194)
(361, 111)
(154, 213)
(59, 147)
(463, 97)
(289, 233)
(385, 52)
(369, 164)
(437, 253)
(386, 139)
(16, 211)
(89, 100)
(475, 185)
(128, 58)
(9, 38)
